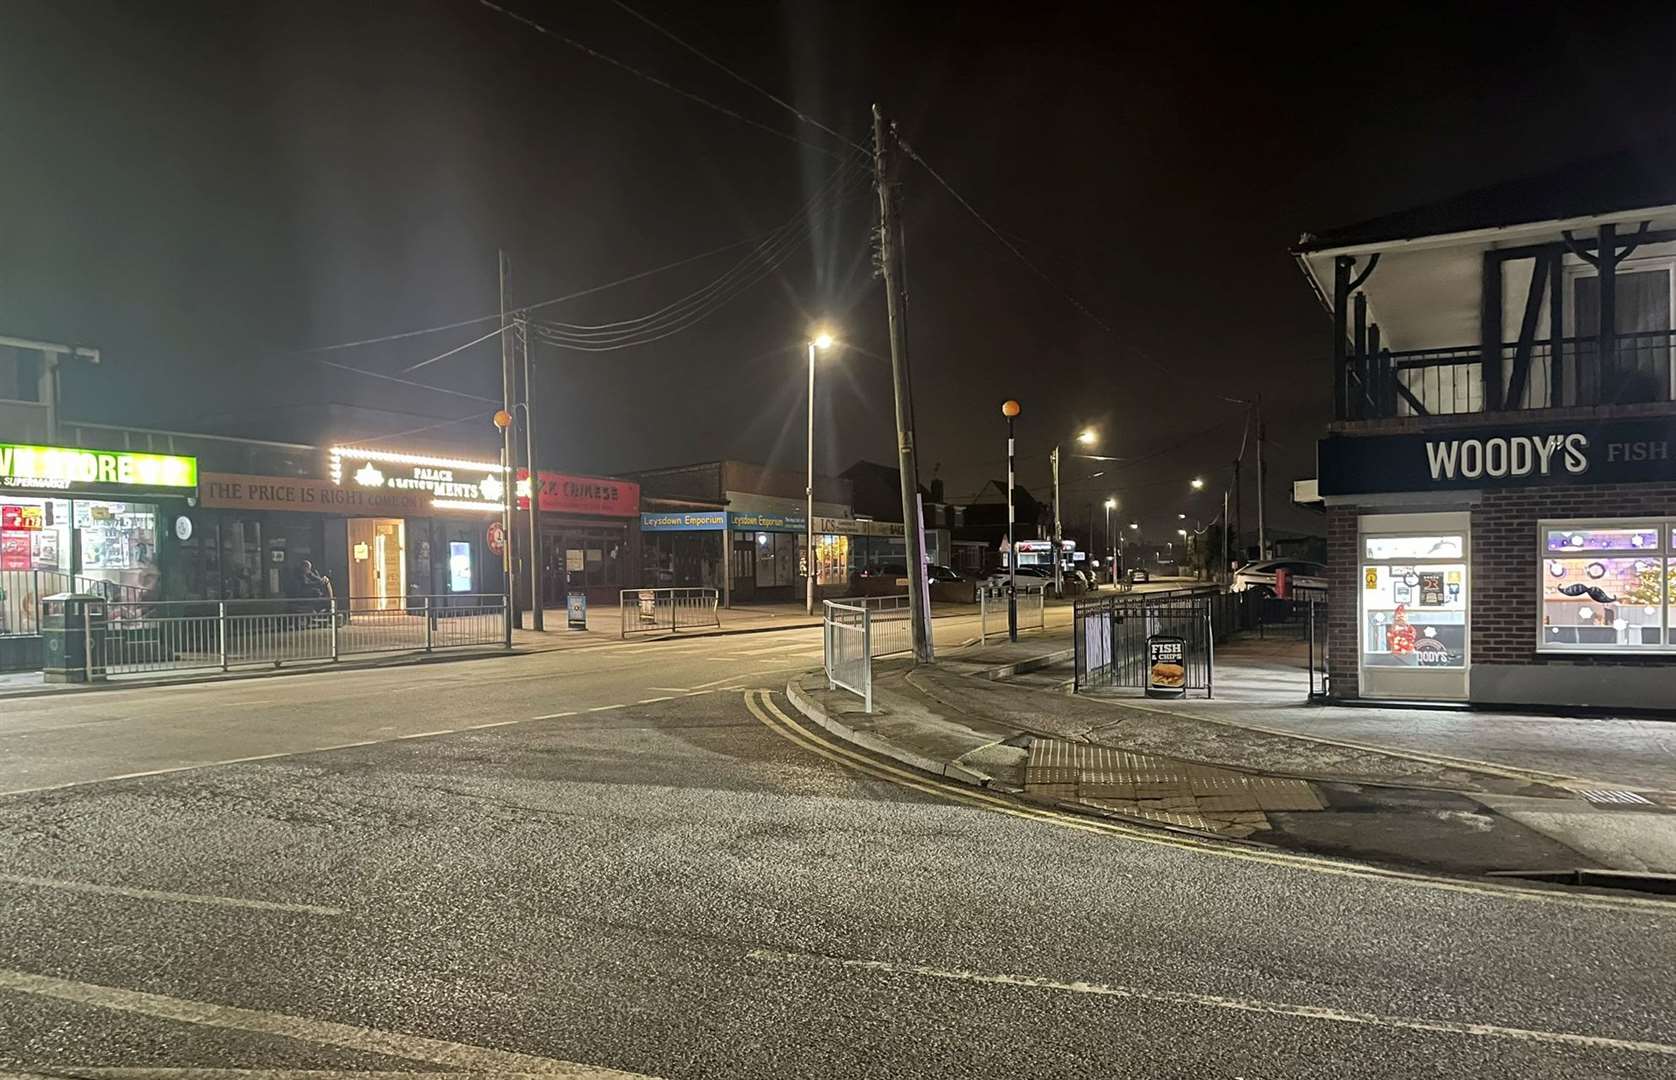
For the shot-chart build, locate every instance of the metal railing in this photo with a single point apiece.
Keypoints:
(1109, 637)
(21, 592)
(668, 611)
(1423, 382)
(889, 624)
(184, 635)
(847, 647)
(992, 610)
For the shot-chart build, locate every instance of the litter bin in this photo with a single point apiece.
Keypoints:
(67, 620)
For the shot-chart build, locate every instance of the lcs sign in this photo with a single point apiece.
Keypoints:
(1609, 452)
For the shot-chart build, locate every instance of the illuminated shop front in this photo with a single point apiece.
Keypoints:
(590, 536)
(74, 519)
(1531, 565)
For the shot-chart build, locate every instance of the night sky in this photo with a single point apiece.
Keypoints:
(207, 191)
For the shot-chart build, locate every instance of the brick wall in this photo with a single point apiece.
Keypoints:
(1506, 563)
(1344, 558)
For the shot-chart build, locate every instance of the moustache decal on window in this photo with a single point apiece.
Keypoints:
(1594, 592)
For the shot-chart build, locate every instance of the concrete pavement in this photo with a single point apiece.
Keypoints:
(630, 875)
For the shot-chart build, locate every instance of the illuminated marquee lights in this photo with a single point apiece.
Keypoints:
(428, 473)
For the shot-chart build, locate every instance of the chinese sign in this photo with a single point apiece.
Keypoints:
(450, 483)
(63, 468)
(563, 493)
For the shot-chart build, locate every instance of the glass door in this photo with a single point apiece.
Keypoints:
(1414, 610)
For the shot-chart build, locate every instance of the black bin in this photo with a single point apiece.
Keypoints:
(67, 620)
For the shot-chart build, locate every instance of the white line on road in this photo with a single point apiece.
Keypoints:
(1215, 1001)
(173, 897)
(492, 723)
(555, 715)
(604, 708)
(669, 689)
(426, 734)
(650, 700)
(151, 1072)
(319, 1032)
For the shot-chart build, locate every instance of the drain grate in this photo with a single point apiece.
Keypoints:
(1616, 798)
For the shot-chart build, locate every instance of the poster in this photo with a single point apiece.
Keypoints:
(22, 518)
(576, 610)
(1431, 589)
(1166, 674)
(14, 550)
(1370, 578)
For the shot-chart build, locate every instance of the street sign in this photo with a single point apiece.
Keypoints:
(1166, 673)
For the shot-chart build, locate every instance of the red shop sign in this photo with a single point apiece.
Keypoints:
(562, 493)
(21, 517)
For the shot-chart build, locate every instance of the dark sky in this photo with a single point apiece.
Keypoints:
(204, 191)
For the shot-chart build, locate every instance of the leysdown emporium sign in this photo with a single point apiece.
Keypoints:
(1635, 451)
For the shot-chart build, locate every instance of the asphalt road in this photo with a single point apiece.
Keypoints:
(644, 869)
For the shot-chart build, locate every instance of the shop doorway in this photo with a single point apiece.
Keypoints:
(378, 561)
(1415, 605)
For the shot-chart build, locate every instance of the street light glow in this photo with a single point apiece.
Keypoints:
(823, 340)
(1181, 517)
(1198, 484)
(1181, 532)
(1086, 436)
(1111, 504)
(1135, 525)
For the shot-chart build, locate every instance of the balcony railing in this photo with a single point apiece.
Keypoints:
(1434, 382)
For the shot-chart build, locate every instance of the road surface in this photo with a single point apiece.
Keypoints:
(631, 860)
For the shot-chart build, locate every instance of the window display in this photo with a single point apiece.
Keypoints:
(1414, 614)
(1607, 587)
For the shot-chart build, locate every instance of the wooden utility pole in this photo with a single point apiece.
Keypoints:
(1262, 484)
(533, 558)
(913, 532)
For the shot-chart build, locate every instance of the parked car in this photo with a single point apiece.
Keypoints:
(939, 572)
(1138, 576)
(1033, 576)
(1260, 576)
(1082, 576)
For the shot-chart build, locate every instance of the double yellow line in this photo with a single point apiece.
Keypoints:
(762, 705)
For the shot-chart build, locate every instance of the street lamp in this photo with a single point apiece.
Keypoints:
(1010, 409)
(1198, 484)
(1111, 504)
(821, 340)
(1086, 437)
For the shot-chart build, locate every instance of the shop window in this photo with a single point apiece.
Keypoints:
(1415, 615)
(1414, 547)
(1607, 587)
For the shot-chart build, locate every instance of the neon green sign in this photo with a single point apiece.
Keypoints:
(72, 467)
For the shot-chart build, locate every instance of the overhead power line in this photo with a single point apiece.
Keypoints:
(406, 382)
(794, 110)
(653, 79)
(496, 332)
(1006, 242)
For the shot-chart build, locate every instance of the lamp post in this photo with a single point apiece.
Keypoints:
(1111, 504)
(1086, 438)
(1135, 527)
(822, 340)
(1010, 409)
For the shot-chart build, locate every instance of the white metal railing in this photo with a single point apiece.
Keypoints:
(846, 640)
(669, 611)
(890, 628)
(992, 610)
(183, 635)
(21, 593)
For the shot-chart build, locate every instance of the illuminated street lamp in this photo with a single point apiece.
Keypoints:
(1111, 504)
(1086, 437)
(822, 340)
(1198, 484)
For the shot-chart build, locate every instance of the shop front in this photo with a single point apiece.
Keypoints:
(1516, 565)
(683, 549)
(85, 520)
(769, 554)
(590, 537)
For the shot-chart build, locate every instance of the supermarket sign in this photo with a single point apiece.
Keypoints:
(68, 468)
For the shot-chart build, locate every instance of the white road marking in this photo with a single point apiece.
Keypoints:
(670, 689)
(604, 708)
(555, 715)
(149, 1072)
(172, 897)
(696, 693)
(650, 700)
(1216, 1001)
(782, 647)
(426, 734)
(492, 723)
(319, 1032)
(718, 682)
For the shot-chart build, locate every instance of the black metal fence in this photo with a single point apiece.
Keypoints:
(1110, 632)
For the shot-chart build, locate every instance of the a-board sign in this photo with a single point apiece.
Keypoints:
(1166, 672)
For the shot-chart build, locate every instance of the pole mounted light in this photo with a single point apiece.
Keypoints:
(822, 340)
(1198, 483)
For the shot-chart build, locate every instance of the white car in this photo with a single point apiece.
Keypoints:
(1301, 576)
(1029, 577)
